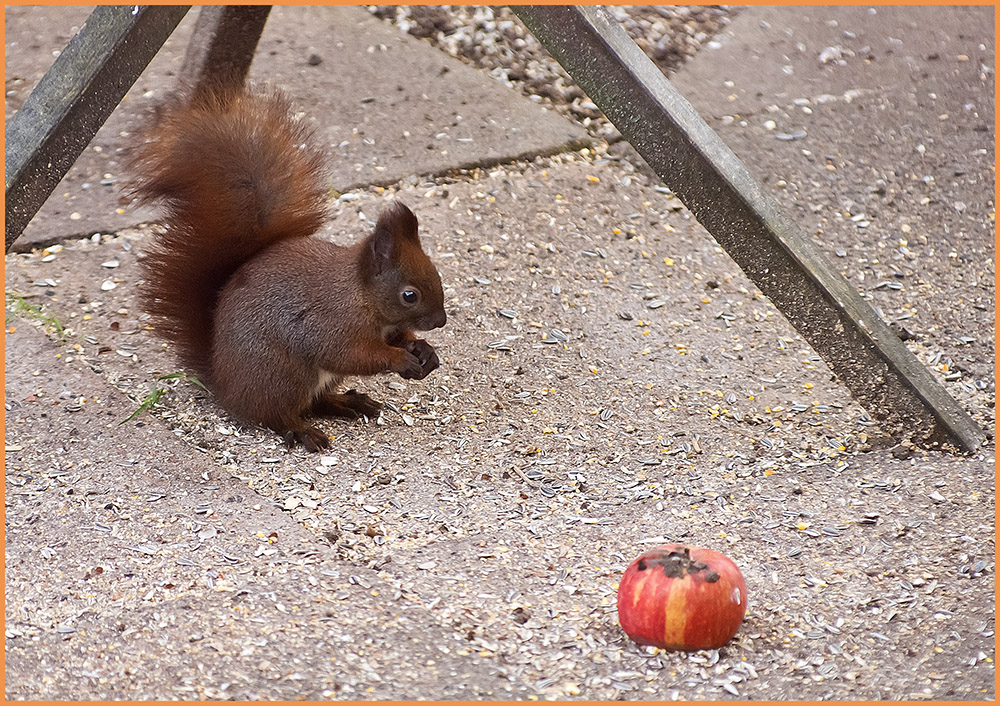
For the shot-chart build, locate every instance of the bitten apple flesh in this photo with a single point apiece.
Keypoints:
(682, 598)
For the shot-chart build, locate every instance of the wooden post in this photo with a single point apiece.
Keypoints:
(73, 99)
(780, 258)
(223, 44)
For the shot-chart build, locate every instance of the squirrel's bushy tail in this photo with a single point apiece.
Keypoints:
(234, 173)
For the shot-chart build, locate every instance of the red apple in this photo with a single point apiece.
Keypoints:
(682, 598)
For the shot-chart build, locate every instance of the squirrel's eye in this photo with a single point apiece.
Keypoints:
(409, 296)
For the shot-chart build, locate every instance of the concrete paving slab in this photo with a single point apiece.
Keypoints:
(137, 570)
(774, 55)
(886, 158)
(386, 105)
(390, 106)
(500, 486)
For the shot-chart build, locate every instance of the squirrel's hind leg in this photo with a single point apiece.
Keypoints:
(347, 405)
(273, 391)
(310, 437)
(294, 429)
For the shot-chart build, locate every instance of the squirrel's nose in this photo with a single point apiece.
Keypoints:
(438, 319)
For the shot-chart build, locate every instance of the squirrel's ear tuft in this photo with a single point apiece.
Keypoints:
(398, 220)
(396, 225)
(382, 243)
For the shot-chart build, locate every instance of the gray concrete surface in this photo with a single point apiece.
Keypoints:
(469, 544)
(774, 58)
(249, 593)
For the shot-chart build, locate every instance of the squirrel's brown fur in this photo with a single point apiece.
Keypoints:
(269, 318)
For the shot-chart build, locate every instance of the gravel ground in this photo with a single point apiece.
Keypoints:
(495, 40)
(609, 379)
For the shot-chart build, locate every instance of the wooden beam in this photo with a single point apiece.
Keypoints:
(774, 252)
(223, 44)
(73, 99)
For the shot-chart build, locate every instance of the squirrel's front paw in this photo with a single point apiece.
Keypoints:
(410, 368)
(425, 353)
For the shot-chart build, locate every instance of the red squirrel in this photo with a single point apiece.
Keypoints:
(271, 319)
